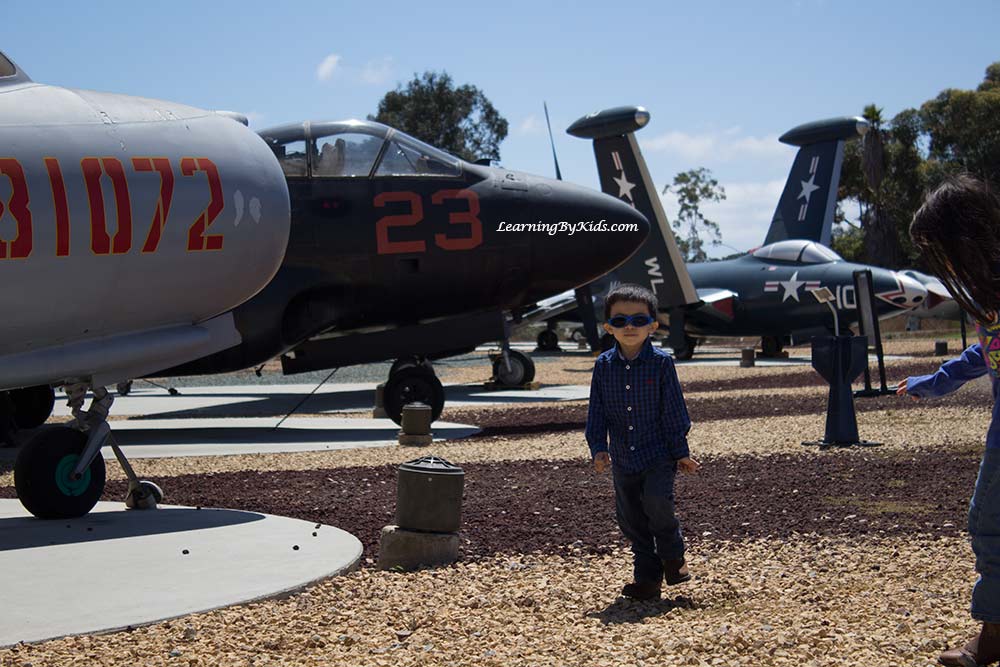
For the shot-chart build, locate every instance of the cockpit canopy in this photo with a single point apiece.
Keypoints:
(799, 251)
(6, 66)
(355, 149)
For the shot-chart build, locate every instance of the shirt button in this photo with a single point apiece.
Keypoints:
(630, 428)
(632, 448)
(630, 408)
(627, 387)
(627, 367)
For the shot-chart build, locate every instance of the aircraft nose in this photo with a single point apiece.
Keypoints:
(592, 234)
(913, 292)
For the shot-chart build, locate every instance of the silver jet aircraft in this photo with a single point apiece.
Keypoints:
(129, 229)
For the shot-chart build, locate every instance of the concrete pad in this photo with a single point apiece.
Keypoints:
(159, 438)
(280, 399)
(114, 569)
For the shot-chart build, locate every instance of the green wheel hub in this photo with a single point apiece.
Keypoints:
(64, 476)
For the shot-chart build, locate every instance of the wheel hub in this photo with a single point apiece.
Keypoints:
(64, 477)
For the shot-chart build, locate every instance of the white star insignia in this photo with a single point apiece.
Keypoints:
(624, 186)
(808, 187)
(791, 286)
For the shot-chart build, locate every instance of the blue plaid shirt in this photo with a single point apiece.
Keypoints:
(639, 404)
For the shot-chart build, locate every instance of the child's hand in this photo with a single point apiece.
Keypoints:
(602, 462)
(688, 464)
(901, 390)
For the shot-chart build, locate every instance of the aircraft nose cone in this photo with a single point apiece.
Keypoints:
(913, 292)
(592, 234)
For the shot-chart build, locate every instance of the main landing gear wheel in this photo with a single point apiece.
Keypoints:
(548, 340)
(522, 369)
(688, 352)
(770, 346)
(410, 384)
(32, 405)
(43, 475)
(410, 362)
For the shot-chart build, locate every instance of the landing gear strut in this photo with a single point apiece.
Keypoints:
(60, 473)
(412, 380)
(770, 346)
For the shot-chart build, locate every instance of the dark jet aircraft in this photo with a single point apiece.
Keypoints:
(401, 251)
(129, 229)
(765, 292)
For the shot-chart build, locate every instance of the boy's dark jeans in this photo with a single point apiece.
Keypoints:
(644, 504)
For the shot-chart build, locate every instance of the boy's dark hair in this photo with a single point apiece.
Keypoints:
(958, 232)
(630, 292)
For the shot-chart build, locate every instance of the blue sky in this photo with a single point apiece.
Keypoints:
(721, 79)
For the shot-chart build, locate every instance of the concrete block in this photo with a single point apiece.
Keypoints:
(409, 440)
(410, 549)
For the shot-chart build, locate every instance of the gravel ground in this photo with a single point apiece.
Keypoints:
(800, 557)
(807, 601)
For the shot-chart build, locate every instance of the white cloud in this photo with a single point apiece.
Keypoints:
(326, 68)
(743, 216)
(530, 125)
(718, 146)
(377, 71)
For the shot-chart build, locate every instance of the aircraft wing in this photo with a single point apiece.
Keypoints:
(718, 303)
(551, 307)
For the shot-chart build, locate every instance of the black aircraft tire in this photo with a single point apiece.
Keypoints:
(522, 369)
(548, 340)
(42, 475)
(688, 352)
(411, 384)
(32, 405)
(409, 362)
(770, 346)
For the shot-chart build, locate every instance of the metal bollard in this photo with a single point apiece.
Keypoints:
(748, 358)
(941, 348)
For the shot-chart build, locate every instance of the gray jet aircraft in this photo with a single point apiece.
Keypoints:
(129, 229)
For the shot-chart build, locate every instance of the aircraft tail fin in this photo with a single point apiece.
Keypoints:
(623, 174)
(807, 204)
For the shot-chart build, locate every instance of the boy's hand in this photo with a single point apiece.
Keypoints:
(688, 464)
(901, 390)
(602, 462)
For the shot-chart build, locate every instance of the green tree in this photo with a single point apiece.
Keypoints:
(882, 174)
(459, 119)
(963, 127)
(691, 188)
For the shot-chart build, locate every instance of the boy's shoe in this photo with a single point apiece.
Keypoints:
(642, 590)
(983, 649)
(675, 571)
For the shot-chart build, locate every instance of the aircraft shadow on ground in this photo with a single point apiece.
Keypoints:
(624, 610)
(278, 405)
(264, 435)
(28, 532)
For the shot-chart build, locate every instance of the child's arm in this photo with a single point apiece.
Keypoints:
(952, 375)
(597, 427)
(674, 413)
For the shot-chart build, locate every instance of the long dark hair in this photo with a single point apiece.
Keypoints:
(958, 232)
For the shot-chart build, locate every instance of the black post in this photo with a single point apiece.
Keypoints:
(868, 326)
(961, 319)
(840, 359)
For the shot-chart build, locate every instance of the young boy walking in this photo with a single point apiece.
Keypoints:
(636, 399)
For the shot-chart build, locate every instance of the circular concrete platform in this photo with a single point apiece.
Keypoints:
(116, 568)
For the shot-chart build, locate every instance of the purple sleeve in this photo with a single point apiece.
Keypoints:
(952, 375)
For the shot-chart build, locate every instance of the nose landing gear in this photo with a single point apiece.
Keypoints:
(60, 474)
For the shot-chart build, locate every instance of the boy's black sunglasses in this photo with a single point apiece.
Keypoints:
(621, 321)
